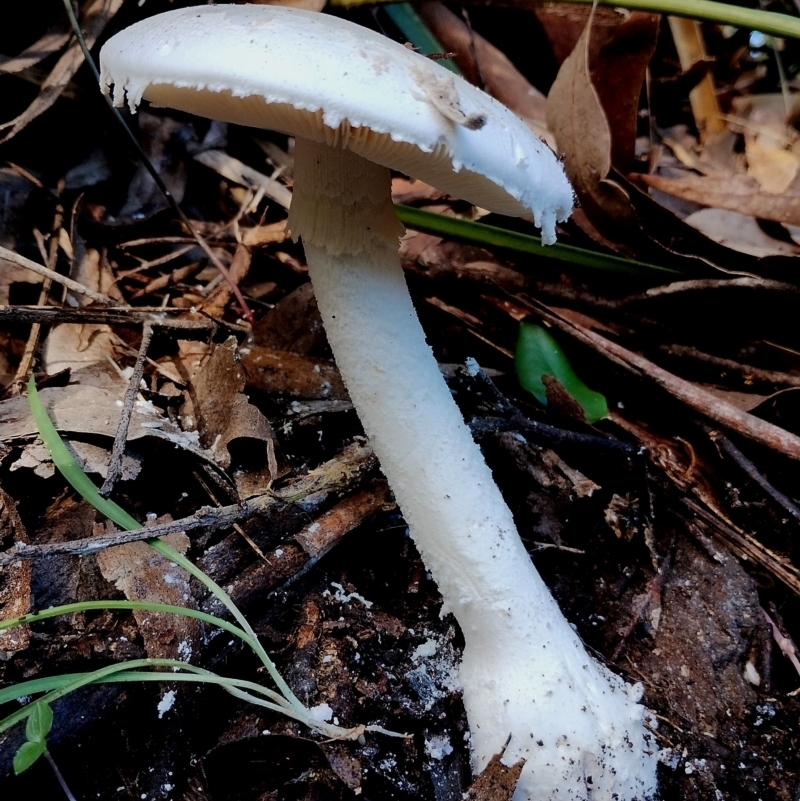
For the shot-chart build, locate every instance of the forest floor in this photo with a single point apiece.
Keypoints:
(666, 531)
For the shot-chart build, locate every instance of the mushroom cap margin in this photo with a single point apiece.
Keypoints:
(314, 75)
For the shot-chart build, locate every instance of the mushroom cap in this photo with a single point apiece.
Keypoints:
(329, 80)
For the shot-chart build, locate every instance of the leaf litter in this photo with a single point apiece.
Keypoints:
(660, 546)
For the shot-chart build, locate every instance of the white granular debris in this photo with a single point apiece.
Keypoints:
(321, 712)
(473, 368)
(426, 649)
(166, 703)
(438, 747)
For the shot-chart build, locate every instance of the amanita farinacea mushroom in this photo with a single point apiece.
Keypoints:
(358, 105)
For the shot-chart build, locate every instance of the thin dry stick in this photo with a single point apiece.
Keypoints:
(118, 315)
(745, 372)
(21, 261)
(689, 43)
(727, 447)
(742, 544)
(121, 437)
(705, 284)
(26, 361)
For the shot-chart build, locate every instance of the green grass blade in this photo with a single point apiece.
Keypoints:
(411, 25)
(492, 236)
(145, 606)
(70, 469)
(87, 678)
(70, 681)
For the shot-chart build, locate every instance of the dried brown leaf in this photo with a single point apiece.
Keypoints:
(144, 575)
(92, 410)
(95, 17)
(739, 232)
(50, 43)
(279, 372)
(617, 48)
(293, 324)
(596, 131)
(221, 410)
(740, 193)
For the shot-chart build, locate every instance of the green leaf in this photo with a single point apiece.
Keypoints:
(40, 721)
(28, 754)
(538, 355)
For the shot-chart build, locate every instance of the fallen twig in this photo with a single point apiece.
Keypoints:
(125, 315)
(341, 473)
(21, 261)
(121, 437)
(752, 471)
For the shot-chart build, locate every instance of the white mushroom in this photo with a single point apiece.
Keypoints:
(358, 105)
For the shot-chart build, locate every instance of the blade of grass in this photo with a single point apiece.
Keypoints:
(63, 685)
(146, 606)
(492, 236)
(410, 24)
(69, 682)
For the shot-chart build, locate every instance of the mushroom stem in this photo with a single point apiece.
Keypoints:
(524, 670)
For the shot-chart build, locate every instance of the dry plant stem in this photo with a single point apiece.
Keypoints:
(741, 543)
(745, 372)
(703, 98)
(524, 669)
(59, 777)
(700, 400)
(514, 420)
(705, 284)
(785, 643)
(21, 261)
(727, 447)
(703, 10)
(340, 474)
(126, 315)
(154, 174)
(121, 437)
(24, 368)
